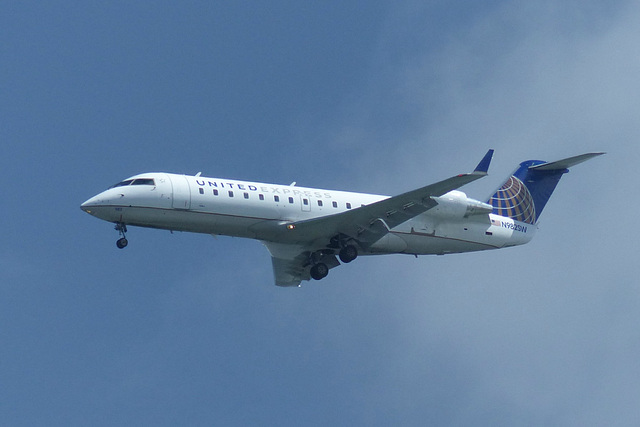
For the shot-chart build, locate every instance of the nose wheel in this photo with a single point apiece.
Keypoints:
(122, 242)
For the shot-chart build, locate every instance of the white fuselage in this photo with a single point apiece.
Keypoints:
(258, 211)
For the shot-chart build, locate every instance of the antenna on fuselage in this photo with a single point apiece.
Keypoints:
(293, 184)
(198, 174)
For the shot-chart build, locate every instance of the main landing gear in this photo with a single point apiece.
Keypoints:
(320, 270)
(347, 250)
(122, 241)
(348, 254)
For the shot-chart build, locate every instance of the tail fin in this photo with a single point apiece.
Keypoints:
(524, 195)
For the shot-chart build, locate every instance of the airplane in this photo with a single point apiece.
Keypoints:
(309, 231)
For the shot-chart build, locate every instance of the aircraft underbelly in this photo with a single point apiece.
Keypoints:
(389, 243)
(415, 238)
(438, 245)
(169, 219)
(457, 237)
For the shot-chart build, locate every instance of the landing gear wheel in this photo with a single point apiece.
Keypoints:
(348, 254)
(319, 271)
(122, 229)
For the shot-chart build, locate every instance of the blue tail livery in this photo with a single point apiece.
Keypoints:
(524, 195)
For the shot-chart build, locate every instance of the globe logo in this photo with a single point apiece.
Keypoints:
(514, 200)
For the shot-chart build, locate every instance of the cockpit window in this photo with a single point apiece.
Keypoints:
(123, 183)
(143, 181)
(139, 181)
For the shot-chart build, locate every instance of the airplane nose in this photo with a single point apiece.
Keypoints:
(92, 202)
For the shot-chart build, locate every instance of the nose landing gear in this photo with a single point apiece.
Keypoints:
(122, 241)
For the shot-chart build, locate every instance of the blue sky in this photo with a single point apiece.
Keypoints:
(381, 98)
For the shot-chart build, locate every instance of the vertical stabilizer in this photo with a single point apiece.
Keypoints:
(525, 194)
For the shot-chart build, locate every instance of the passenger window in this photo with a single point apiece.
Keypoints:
(201, 190)
(246, 195)
(215, 192)
(230, 193)
(335, 204)
(291, 200)
(319, 202)
(348, 205)
(261, 196)
(276, 198)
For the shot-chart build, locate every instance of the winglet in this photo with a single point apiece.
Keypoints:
(483, 166)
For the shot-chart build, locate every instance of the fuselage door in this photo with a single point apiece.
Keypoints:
(181, 192)
(305, 203)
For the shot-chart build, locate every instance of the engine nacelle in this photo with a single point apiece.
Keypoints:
(456, 204)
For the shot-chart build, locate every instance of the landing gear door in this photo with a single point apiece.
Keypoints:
(181, 193)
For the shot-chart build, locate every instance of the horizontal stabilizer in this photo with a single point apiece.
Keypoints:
(565, 163)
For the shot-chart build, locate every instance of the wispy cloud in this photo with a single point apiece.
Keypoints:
(536, 333)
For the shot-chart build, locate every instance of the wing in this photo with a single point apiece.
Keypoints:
(368, 224)
(291, 263)
(309, 239)
(288, 272)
